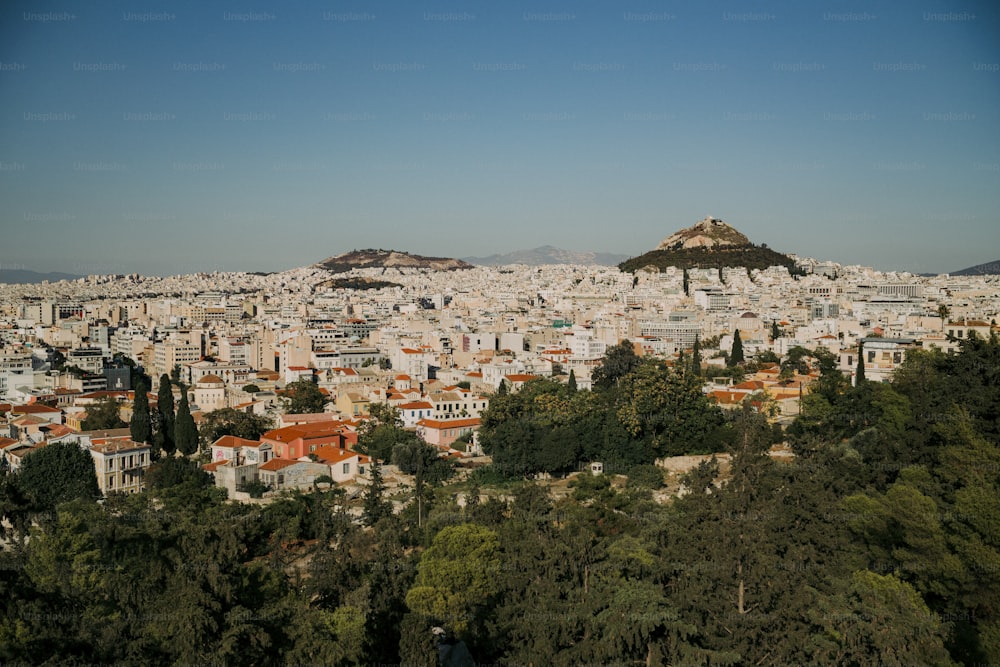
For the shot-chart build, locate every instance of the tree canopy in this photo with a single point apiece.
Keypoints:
(304, 397)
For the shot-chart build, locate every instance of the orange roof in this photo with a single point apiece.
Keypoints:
(331, 455)
(728, 397)
(520, 377)
(306, 431)
(402, 377)
(276, 464)
(232, 441)
(449, 423)
(34, 408)
(752, 385)
(210, 467)
(417, 405)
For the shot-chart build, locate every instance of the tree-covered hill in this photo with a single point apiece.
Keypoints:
(749, 256)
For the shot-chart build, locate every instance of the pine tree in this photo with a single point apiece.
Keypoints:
(185, 431)
(736, 356)
(686, 283)
(696, 356)
(860, 375)
(165, 408)
(139, 426)
(572, 380)
(775, 331)
(502, 389)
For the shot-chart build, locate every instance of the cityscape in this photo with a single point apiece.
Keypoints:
(526, 334)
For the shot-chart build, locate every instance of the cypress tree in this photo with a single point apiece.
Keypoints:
(139, 426)
(572, 380)
(165, 408)
(736, 356)
(185, 432)
(860, 375)
(775, 331)
(686, 283)
(696, 356)
(375, 506)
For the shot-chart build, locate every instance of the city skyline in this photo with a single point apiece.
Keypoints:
(177, 138)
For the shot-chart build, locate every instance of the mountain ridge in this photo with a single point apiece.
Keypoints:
(27, 277)
(548, 255)
(388, 259)
(984, 269)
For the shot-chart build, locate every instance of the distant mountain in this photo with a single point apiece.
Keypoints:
(709, 244)
(547, 254)
(388, 259)
(24, 277)
(987, 269)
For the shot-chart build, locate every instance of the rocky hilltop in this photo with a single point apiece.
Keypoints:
(708, 233)
(389, 259)
(709, 244)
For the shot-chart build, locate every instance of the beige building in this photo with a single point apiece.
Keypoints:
(120, 464)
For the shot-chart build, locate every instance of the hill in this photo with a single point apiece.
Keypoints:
(987, 269)
(709, 244)
(546, 255)
(389, 259)
(25, 277)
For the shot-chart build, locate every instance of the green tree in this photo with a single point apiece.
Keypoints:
(229, 421)
(457, 576)
(140, 427)
(859, 377)
(104, 414)
(736, 355)
(669, 409)
(251, 388)
(57, 473)
(382, 431)
(571, 383)
(375, 506)
(304, 397)
(165, 408)
(185, 431)
(775, 330)
(696, 356)
(619, 361)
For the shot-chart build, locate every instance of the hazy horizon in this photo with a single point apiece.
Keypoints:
(178, 138)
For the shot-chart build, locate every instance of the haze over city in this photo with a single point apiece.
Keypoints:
(180, 137)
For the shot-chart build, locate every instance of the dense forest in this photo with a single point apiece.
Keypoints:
(878, 543)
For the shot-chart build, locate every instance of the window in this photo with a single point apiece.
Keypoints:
(347, 468)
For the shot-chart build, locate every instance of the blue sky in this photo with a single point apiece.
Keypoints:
(180, 136)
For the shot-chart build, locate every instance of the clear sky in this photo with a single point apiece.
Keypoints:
(177, 136)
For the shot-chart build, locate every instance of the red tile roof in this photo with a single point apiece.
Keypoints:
(276, 464)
